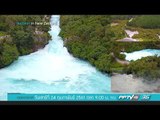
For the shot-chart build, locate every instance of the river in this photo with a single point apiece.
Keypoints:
(141, 53)
(52, 70)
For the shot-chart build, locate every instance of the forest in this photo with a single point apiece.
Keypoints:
(93, 38)
(147, 67)
(146, 21)
(88, 37)
(17, 40)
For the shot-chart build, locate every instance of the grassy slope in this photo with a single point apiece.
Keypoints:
(145, 34)
(148, 27)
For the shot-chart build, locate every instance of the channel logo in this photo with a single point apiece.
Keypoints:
(129, 97)
(146, 97)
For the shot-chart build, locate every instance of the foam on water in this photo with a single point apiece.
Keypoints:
(52, 70)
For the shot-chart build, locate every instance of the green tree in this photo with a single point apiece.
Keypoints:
(8, 55)
(24, 41)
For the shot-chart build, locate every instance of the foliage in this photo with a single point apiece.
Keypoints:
(93, 38)
(147, 67)
(119, 29)
(8, 54)
(21, 39)
(146, 21)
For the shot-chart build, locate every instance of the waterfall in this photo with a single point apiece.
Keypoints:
(52, 70)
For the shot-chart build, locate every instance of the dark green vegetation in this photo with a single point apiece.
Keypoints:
(21, 39)
(8, 54)
(147, 67)
(148, 27)
(93, 38)
(130, 46)
(90, 38)
(146, 21)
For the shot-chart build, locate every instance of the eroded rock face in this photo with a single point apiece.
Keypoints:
(128, 40)
(5, 39)
(159, 36)
(131, 33)
(114, 24)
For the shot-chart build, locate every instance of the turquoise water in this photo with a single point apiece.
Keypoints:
(142, 53)
(52, 70)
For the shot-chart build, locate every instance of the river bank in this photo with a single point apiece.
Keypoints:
(52, 70)
(18, 38)
(129, 84)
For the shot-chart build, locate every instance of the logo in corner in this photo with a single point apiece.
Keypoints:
(129, 97)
